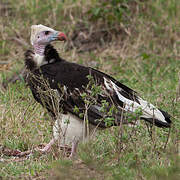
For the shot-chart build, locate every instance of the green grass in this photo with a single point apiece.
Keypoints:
(144, 56)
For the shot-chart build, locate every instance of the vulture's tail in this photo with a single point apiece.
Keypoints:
(160, 122)
(154, 115)
(131, 103)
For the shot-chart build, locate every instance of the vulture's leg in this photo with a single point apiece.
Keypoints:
(56, 136)
(74, 148)
(48, 146)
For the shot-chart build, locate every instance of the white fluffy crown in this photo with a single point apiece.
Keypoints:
(35, 29)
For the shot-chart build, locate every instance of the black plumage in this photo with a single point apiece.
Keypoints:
(71, 80)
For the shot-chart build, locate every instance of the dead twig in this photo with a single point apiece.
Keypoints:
(178, 90)
(5, 62)
(21, 156)
(21, 42)
(165, 145)
(13, 159)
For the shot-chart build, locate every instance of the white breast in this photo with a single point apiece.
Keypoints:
(39, 60)
(69, 127)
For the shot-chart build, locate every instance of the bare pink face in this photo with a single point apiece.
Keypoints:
(42, 35)
(45, 37)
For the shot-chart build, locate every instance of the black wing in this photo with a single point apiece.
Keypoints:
(71, 80)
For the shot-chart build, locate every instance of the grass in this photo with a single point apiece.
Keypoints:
(144, 56)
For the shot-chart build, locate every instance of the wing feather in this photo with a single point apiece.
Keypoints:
(73, 78)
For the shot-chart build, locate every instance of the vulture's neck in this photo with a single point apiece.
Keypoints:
(51, 55)
(34, 60)
(39, 49)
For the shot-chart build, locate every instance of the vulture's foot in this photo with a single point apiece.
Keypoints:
(74, 149)
(48, 146)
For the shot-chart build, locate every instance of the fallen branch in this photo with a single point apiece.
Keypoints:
(21, 156)
(5, 62)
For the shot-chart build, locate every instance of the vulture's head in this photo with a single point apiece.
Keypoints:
(43, 35)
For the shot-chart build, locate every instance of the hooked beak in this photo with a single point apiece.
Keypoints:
(62, 37)
(58, 36)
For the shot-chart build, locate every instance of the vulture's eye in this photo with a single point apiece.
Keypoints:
(46, 32)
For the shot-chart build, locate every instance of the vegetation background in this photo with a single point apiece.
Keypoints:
(135, 41)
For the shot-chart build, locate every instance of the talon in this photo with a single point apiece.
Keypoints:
(44, 150)
(47, 147)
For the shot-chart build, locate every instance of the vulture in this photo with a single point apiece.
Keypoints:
(80, 99)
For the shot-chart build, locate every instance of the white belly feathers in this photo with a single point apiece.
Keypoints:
(69, 128)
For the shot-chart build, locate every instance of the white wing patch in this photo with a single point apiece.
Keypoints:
(148, 110)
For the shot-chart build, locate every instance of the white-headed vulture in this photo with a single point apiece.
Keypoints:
(82, 94)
